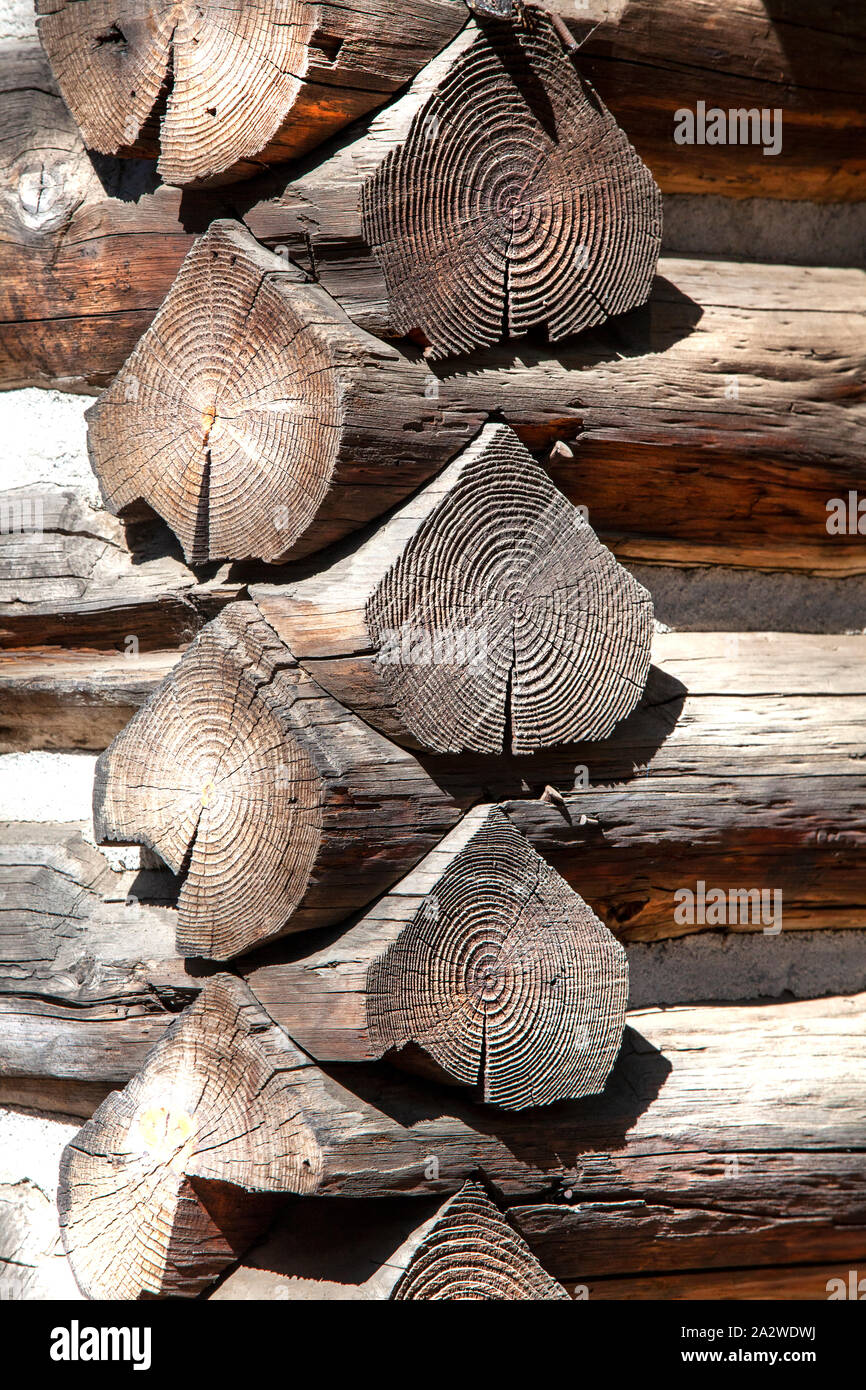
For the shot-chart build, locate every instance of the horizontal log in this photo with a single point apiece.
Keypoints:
(713, 426)
(697, 1213)
(73, 575)
(479, 968)
(797, 1283)
(689, 1084)
(89, 978)
(742, 768)
(649, 59)
(217, 95)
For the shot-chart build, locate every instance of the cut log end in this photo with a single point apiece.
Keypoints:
(505, 621)
(146, 77)
(513, 201)
(218, 89)
(208, 775)
(468, 1251)
(226, 418)
(504, 978)
(168, 1183)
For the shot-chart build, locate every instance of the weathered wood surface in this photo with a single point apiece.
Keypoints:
(256, 418)
(72, 575)
(702, 1213)
(495, 196)
(483, 616)
(89, 977)
(282, 810)
(177, 1159)
(481, 961)
(709, 1227)
(795, 1283)
(742, 769)
(219, 90)
(87, 252)
(649, 59)
(712, 426)
(58, 697)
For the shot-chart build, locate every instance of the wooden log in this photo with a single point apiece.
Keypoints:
(281, 809)
(72, 574)
(87, 250)
(741, 768)
(794, 1283)
(219, 90)
(255, 418)
(713, 426)
(484, 615)
(483, 960)
(696, 1214)
(89, 978)
(227, 1105)
(734, 1226)
(56, 697)
(535, 209)
(649, 59)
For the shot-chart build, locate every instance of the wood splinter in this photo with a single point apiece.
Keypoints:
(482, 968)
(255, 418)
(282, 810)
(484, 616)
(220, 87)
(497, 195)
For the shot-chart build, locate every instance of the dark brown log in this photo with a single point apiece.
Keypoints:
(796, 1283)
(695, 1214)
(706, 1223)
(712, 427)
(220, 89)
(282, 810)
(649, 59)
(227, 1105)
(483, 616)
(87, 253)
(495, 196)
(742, 767)
(255, 418)
(483, 960)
